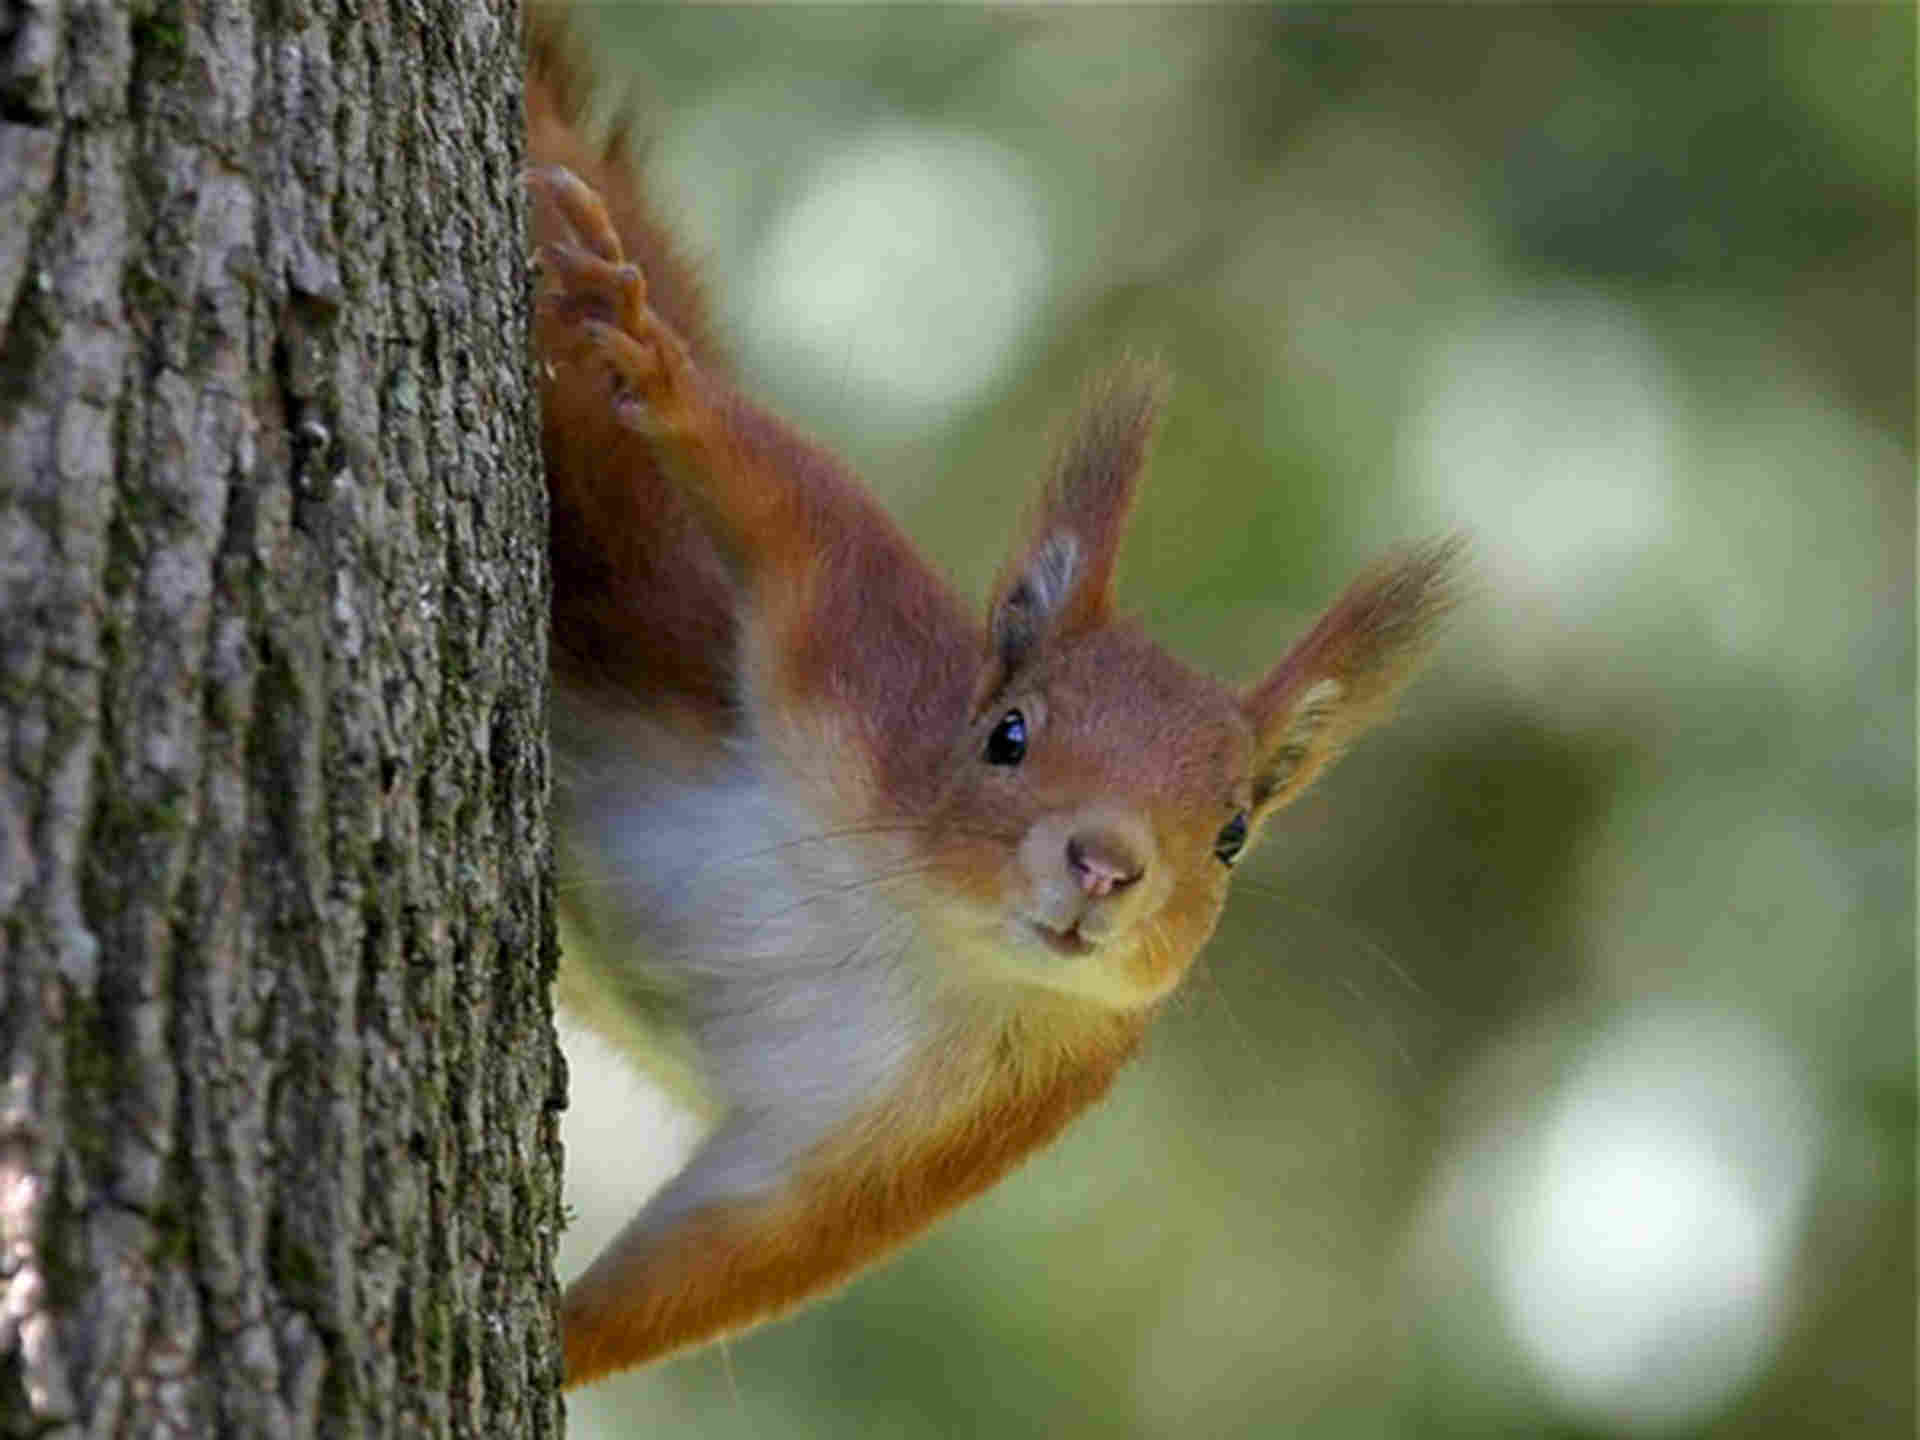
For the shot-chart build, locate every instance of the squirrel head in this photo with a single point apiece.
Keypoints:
(1103, 790)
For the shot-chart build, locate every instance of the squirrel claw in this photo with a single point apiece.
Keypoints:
(594, 313)
(587, 286)
(579, 208)
(647, 371)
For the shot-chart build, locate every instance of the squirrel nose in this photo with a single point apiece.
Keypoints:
(1102, 863)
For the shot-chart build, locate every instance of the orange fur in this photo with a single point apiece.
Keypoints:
(738, 1266)
(715, 572)
(1359, 655)
(641, 600)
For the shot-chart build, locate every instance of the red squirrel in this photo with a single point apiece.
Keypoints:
(912, 883)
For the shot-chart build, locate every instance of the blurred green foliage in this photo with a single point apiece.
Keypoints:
(1626, 293)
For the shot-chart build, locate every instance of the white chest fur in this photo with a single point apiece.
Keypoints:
(716, 903)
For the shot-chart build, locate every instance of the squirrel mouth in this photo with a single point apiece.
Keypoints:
(1069, 942)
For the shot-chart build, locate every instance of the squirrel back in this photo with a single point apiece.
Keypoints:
(912, 883)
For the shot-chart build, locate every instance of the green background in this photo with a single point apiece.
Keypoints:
(1552, 1073)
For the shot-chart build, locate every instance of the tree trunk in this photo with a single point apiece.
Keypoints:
(278, 1151)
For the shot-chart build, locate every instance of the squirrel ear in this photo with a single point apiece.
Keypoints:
(1062, 579)
(1342, 678)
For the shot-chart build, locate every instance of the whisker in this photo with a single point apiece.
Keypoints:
(1348, 932)
(873, 941)
(733, 1383)
(941, 827)
(1250, 1048)
(852, 887)
(852, 832)
(945, 836)
(1387, 1023)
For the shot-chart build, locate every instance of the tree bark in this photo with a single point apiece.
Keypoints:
(278, 1151)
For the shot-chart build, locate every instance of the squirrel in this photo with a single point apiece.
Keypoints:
(912, 883)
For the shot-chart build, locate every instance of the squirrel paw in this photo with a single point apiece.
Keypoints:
(595, 315)
(563, 196)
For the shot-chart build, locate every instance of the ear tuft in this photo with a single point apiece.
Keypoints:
(1343, 677)
(1062, 578)
(1040, 592)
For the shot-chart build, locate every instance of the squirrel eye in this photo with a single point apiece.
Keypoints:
(1231, 840)
(1008, 743)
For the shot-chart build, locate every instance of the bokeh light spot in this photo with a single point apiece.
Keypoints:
(1644, 1250)
(911, 266)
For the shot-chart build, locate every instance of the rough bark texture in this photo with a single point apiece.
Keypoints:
(278, 1151)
